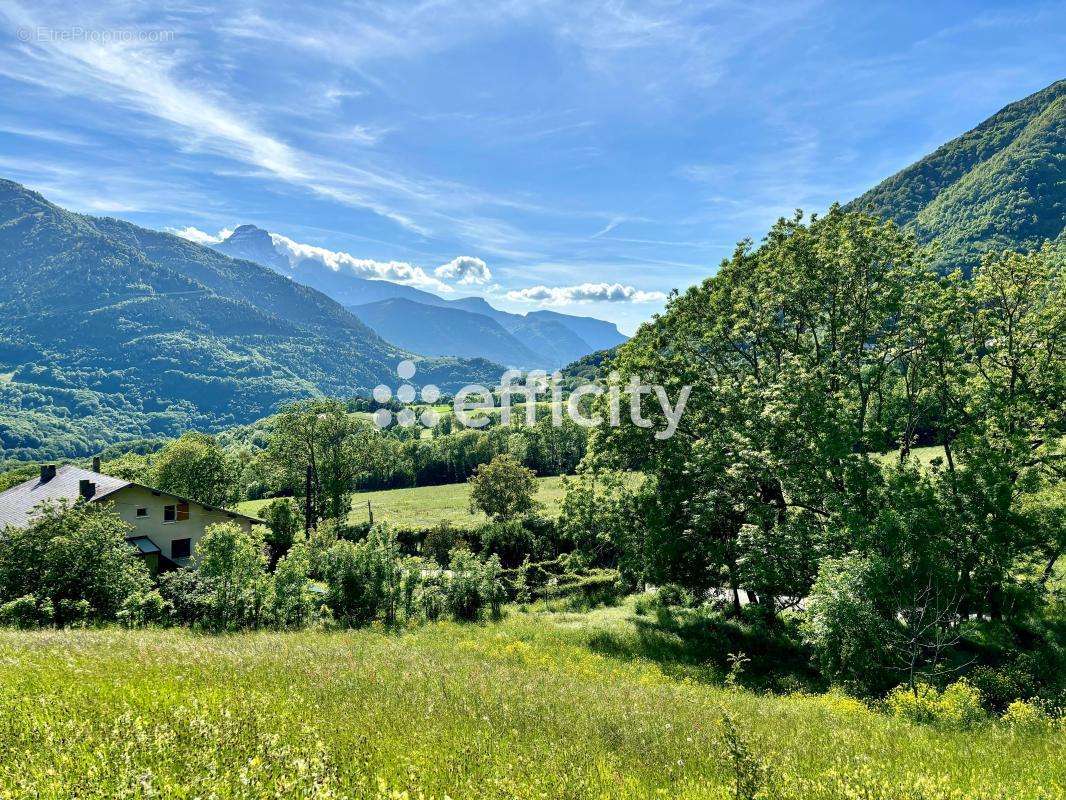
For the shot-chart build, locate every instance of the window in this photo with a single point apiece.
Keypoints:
(176, 513)
(142, 512)
(181, 548)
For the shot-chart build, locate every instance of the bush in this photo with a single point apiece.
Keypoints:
(1022, 715)
(26, 612)
(844, 627)
(143, 608)
(472, 585)
(231, 566)
(74, 559)
(285, 521)
(439, 542)
(958, 706)
(363, 579)
(186, 595)
(292, 603)
(509, 539)
(670, 594)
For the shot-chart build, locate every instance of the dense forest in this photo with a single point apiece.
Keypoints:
(1001, 185)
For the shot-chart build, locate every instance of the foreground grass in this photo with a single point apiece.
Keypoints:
(523, 709)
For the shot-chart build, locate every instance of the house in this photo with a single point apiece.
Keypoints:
(166, 527)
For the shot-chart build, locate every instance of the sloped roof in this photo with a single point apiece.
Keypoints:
(144, 545)
(18, 502)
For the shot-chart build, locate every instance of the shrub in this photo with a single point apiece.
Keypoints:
(363, 579)
(231, 565)
(463, 588)
(439, 542)
(292, 602)
(75, 560)
(1022, 715)
(843, 625)
(143, 608)
(509, 539)
(959, 705)
(25, 612)
(670, 594)
(186, 595)
(285, 521)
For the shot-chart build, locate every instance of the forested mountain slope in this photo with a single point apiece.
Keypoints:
(110, 331)
(1001, 185)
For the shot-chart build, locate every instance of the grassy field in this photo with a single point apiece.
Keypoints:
(522, 709)
(425, 506)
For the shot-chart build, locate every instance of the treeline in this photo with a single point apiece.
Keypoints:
(344, 450)
(831, 342)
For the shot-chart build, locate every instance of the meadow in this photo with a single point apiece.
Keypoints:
(423, 507)
(526, 708)
(427, 506)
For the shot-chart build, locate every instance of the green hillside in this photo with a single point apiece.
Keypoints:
(1001, 185)
(109, 331)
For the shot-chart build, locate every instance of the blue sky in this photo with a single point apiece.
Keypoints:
(593, 155)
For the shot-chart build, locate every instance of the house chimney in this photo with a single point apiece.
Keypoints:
(48, 471)
(96, 463)
(86, 488)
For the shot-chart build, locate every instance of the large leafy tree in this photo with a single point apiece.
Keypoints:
(196, 466)
(334, 445)
(793, 351)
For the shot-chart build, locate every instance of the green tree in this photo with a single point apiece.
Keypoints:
(75, 560)
(230, 566)
(791, 351)
(292, 600)
(336, 446)
(195, 466)
(285, 522)
(364, 578)
(503, 488)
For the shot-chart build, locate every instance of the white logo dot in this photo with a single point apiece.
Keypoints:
(406, 393)
(406, 369)
(430, 394)
(383, 418)
(429, 418)
(382, 393)
(406, 418)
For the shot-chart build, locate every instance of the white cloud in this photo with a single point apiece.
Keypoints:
(465, 270)
(584, 293)
(199, 236)
(396, 271)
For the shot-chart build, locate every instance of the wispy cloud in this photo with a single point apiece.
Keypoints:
(584, 293)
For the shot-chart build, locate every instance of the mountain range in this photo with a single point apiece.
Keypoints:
(109, 330)
(424, 322)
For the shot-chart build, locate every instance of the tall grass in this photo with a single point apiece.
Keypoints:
(522, 709)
